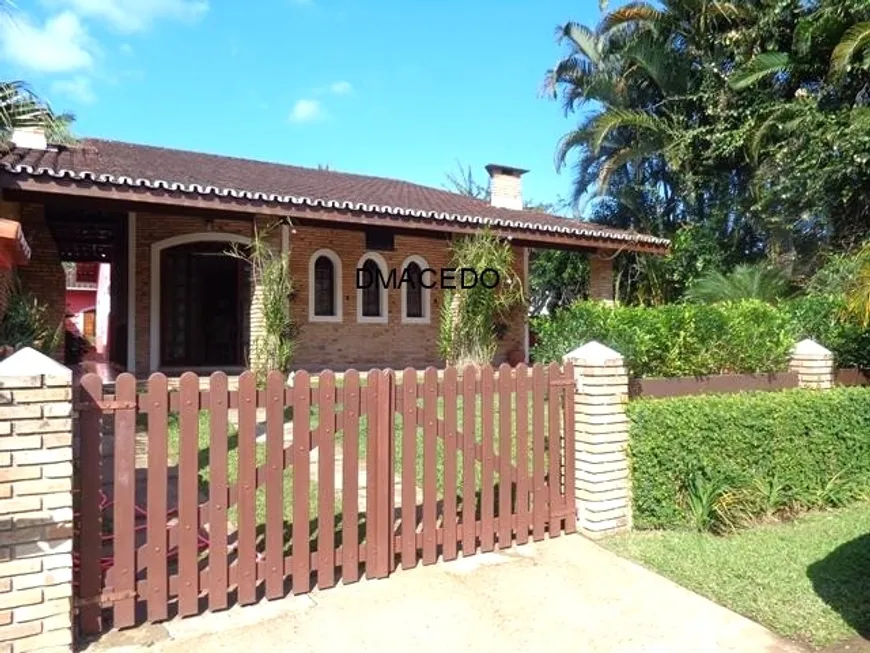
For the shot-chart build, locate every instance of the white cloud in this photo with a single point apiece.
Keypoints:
(135, 15)
(341, 88)
(78, 88)
(61, 45)
(305, 110)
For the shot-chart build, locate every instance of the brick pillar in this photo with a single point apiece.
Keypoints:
(601, 276)
(814, 365)
(36, 514)
(603, 485)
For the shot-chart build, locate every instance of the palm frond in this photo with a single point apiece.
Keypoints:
(20, 107)
(620, 159)
(759, 281)
(582, 39)
(612, 119)
(764, 65)
(631, 15)
(855, 41)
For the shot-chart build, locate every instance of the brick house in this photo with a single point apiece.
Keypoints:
(164, 219)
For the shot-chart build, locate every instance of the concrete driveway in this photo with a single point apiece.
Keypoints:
(563, 594)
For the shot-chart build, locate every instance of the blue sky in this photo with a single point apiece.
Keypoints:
(394, 88)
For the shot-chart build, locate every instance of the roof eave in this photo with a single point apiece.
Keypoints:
(85, 183)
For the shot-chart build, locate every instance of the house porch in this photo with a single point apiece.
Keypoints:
(172, 283)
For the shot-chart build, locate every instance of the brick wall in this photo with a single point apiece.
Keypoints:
(601, 276)
(395, 344)
(325, 345)
(6, 280)
(151, 229)
(43, 275)
(35, 506)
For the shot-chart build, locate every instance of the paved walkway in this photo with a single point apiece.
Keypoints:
(564, 594)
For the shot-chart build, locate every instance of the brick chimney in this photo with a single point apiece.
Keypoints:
(32, 138)
(505, 186)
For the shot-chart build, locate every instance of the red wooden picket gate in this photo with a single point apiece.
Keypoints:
(182, 506)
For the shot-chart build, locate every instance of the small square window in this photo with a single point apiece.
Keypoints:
(380, 240)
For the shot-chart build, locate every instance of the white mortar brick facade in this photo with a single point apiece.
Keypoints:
(36, 512)
(813, 364)
(602, 479)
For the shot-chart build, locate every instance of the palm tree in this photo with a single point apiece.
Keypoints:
(20, 107)
(759, 281)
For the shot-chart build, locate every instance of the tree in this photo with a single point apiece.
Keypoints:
(556, 277)
(745, 118)
(759, 281)
(21, 107)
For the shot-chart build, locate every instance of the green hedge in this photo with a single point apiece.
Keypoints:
(815, 446)
(697, 340)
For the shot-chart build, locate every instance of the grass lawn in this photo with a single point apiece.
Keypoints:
(808, 580)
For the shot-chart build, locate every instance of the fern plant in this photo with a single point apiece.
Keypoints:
(26, 323)
(758, 281)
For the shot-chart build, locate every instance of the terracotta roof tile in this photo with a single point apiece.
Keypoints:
(130, 164)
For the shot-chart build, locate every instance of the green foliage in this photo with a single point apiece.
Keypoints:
(26, 324)
(674, 340)
(471, 319)
(825, 319)
(758, 281)
(749, 120)
(270, 278)
(557, 278)
(700, 339)
(705, 502)
(797, 449)
(20, 107)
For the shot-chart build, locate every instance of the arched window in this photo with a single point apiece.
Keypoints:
(324, 290)
(371, 294)
(415, 296)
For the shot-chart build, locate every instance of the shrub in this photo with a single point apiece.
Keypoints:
(26, 323)
(685, 340)
(796, 449)
(824, 319)
(675, 339)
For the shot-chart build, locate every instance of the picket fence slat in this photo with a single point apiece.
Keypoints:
(430, 463)
(506, 386)
(487, 500)
(567, 389)
(539, 499)
(469, 461)
(90, 576)
(408, 465)
(350, 501)
(157, 497)
(188, 493)
(449, 518)
(274, 485)
(495, 449)
(218, 493)
(326, 484)
(247, 484)
(521, 416)
(301, 483)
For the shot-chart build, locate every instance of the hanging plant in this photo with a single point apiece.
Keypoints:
(475, 319)
(273, 347)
